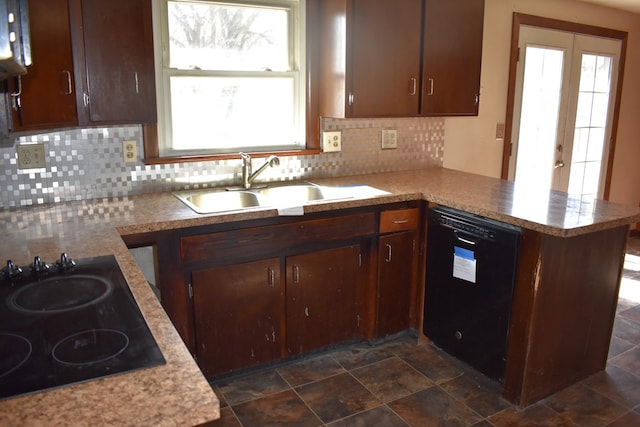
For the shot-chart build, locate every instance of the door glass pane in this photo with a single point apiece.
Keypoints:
(224, 112)
(591, 121)
(210, 36)
(539, 116)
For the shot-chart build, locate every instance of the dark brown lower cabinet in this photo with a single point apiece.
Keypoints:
(324, 298)
(239, 315)
(248, 293)
(397, 257)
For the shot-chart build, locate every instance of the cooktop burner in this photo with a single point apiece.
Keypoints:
(89, 347)
(59, 294)
(70, 323)
(14, 351)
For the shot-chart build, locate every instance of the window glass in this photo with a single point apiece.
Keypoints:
(230, 113)
(213, 36)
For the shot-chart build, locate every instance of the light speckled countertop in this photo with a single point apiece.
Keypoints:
(177, 393)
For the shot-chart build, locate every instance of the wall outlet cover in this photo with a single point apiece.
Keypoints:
(389, 139)
(31, 156)
(331, 141)
(129, 151)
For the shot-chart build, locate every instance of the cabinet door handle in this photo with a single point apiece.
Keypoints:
(296, 274)
(66, 77)
(351, 99)
(135, 77)
(272, 277)
(389, 249)
(430, 87)
(413, 86)
(15, 96)
(85, 99)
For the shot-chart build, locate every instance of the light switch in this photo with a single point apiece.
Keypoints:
(389, 139)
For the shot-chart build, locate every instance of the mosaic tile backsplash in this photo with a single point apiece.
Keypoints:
(88, 163)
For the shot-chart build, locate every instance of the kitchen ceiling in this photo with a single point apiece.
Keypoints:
(628, 5)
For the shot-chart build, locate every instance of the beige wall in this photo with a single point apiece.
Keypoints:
(470, 143)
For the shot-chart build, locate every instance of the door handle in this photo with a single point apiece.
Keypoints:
(296, 274)
(413, 86)
(430, 92)
(65, 79)
(462, 239)
(271, 277)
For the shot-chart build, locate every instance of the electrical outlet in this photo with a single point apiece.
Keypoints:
(129, 151)
(31, 156)
(500, 131)
(389, 139)
(331, 141)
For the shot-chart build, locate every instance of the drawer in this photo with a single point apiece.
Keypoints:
(398, 220)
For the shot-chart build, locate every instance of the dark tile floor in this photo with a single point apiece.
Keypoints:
(403, 383)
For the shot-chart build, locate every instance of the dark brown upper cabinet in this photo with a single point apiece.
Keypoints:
(113, 61)
(44, 98)
(452, 57)
(383, 58)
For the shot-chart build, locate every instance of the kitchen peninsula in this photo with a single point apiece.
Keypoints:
(564, 304)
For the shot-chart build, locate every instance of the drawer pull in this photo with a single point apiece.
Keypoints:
(400, 221)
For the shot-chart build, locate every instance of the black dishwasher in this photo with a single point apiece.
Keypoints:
(471, 264)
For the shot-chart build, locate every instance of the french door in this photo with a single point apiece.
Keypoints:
(563, 109)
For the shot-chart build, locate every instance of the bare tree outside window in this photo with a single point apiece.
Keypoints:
(225, 37)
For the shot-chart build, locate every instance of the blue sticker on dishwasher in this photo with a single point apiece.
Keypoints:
(464, 264)
(463, 253)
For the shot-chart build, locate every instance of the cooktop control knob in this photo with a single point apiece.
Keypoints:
(39, 267)
(11, 271)
(65, 263)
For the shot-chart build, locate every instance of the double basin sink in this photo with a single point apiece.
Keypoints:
(274, 196)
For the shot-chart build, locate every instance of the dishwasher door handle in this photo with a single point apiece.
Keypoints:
(462, 239)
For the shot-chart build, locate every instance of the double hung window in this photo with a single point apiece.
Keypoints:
(230, 76)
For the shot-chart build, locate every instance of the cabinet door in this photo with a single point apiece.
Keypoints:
(239, 315)
(384, 50)
(47, 98)
(452, 57)
(397, 258)
(324, 298)
(114, 52)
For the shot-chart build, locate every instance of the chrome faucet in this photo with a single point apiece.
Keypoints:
(247, 175)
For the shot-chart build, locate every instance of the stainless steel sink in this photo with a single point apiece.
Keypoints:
(210, 201)
(275, 196)
(294, 195)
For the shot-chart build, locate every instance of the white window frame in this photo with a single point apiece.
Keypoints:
(163, 73)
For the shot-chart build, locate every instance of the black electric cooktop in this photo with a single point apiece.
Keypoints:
(72, 321)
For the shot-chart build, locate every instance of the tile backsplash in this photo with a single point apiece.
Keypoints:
(88, 163)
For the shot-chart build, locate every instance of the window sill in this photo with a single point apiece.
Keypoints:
(152, 156)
